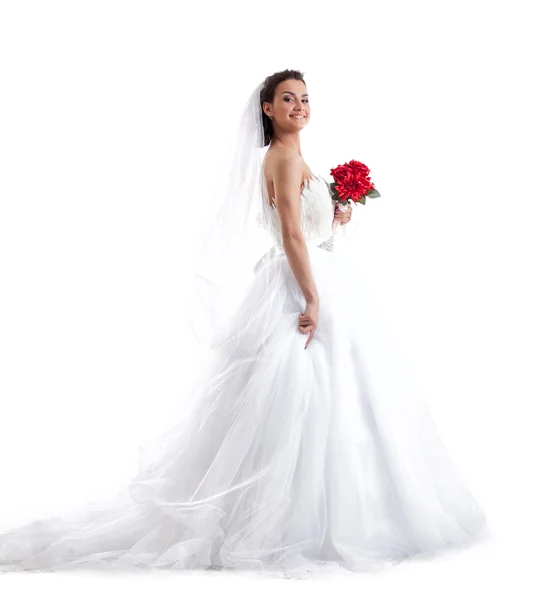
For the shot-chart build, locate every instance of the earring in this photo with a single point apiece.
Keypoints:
(271, 117)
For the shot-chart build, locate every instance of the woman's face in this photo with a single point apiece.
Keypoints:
(290, 106)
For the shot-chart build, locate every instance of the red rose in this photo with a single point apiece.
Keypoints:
(352, 180)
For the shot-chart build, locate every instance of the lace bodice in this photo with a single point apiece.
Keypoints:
(316, 210)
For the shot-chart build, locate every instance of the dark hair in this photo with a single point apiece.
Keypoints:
(267, 95)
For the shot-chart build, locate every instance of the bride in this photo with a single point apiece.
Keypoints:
(290, 461)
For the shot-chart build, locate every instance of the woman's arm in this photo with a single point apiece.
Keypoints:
(287, 178)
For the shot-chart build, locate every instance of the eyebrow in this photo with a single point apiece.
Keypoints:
(286, 92)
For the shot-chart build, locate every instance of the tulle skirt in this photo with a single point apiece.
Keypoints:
(291, 461)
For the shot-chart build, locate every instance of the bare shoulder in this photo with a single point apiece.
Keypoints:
(283, 168)
(279, 154)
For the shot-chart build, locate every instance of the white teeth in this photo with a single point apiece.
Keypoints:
(298, 116)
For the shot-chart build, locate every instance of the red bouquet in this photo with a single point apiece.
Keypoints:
(352, 182)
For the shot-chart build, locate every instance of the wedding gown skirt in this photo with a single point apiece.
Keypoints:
(291, 460)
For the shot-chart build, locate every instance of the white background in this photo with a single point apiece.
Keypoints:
(111, 117)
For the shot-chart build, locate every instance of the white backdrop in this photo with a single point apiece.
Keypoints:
(108, 112)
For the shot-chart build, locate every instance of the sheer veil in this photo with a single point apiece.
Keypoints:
(225, 248)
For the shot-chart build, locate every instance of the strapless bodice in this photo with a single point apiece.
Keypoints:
(316, 212)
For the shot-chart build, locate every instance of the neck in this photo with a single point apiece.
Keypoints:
(288, 140)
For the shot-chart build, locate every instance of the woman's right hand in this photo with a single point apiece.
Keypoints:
(308, 319)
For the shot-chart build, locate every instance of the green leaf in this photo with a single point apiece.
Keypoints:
(374, 193)
(362, 200)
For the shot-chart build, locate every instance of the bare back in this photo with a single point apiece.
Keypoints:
(275, 155)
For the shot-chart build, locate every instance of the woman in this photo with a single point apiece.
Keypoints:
(290, 461)
(286, 172)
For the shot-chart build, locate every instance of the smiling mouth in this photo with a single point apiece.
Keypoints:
(298, 116)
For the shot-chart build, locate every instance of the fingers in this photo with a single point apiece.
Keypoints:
(306, 325)
(306, 328)
(342, 214)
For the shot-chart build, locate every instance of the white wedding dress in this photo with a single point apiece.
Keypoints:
(291, 461)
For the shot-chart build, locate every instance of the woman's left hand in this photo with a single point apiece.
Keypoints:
(342, 217)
